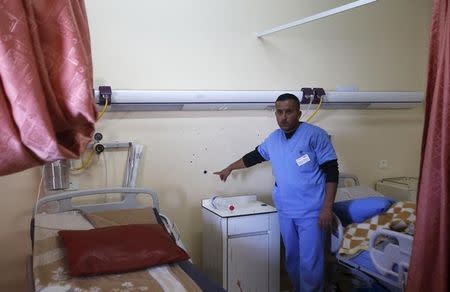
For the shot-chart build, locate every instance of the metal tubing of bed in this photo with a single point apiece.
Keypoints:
(337, 234)
(392, 254)
(129, 193)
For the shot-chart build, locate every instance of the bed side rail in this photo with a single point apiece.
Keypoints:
(337, 234)
(129, 199)
(395, 252)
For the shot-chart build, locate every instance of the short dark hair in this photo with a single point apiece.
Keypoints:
(289, 96)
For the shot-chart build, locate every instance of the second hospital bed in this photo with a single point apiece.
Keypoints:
(47, 268)
(372, 249)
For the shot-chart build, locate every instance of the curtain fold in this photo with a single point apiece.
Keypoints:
(47, 109)
(429, 267)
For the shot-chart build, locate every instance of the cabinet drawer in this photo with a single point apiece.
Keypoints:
(248, 224)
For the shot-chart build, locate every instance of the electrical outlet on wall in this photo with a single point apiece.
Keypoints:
(382, 164)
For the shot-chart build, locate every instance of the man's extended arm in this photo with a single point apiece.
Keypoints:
(247, 160)
(224, 173)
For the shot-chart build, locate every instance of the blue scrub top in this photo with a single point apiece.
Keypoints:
(299, 189)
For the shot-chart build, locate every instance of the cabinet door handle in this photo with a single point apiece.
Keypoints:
(248, 234)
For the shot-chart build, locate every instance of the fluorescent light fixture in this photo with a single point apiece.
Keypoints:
(372, 99)
(194, 96)
(317, 16)
(373, 96)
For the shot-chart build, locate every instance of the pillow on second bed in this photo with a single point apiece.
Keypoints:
(119, 249)
(359, 210)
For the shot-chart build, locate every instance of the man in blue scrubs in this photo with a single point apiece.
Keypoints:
(305, 168)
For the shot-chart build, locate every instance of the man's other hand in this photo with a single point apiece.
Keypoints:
(326, 219)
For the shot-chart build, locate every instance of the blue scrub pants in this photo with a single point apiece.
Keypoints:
(305, 259)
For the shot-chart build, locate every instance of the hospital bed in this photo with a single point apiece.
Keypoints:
(384, 265)
(70, 211)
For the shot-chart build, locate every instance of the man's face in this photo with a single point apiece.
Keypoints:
(287, 115)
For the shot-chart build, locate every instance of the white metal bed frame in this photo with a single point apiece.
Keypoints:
(129, 201)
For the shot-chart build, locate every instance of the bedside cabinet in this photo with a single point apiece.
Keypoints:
(241, 244)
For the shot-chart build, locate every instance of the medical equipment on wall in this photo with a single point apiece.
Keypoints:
(134, 156)
(241, 243)
(135, 153)
(311, 96)
(56, 175)
(219, 100)
(95, 148)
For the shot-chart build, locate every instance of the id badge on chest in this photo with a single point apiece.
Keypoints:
(303, 159)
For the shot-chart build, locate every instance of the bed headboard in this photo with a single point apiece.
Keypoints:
(129, 199)
(348, 180)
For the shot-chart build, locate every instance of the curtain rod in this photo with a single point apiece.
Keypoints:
(316, 16)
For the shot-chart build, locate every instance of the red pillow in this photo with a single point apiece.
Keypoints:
(119, 249)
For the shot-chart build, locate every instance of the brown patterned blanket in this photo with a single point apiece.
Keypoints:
(398, 217)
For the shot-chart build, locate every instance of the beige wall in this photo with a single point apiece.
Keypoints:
(18, 193)
(206, 44)
(180, 146)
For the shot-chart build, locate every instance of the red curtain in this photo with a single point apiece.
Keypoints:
(46, 104)
(429, 269)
